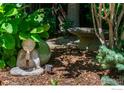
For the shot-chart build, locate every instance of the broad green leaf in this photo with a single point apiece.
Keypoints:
(8, 41)
(120, 66)
(24, 26)
(1, 41)
(1, 4)
(38, 18)
(41, 29)
(38, 30)
(1, 9)
(12, 12)
(18, 42)
(35, 37)
(11, 62)
(2, 30)
(2, 64)
(24, 36)
(46, 27)
(9, 52)
(14, 26)
(44, 35)
(1, 18)
(7, 27)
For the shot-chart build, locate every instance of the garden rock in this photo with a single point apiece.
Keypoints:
(44, 52)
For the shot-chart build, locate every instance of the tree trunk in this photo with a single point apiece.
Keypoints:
(111, 35)
(73, 13)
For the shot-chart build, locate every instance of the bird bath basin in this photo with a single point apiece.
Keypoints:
(88, 39)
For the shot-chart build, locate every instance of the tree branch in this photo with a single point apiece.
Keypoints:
(120, 18)
(95, 17)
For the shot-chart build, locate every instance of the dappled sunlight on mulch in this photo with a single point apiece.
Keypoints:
(70, 67)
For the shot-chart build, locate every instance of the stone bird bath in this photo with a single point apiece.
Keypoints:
(87, 37)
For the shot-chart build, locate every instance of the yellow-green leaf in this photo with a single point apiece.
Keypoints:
(12, 12)
(38, 30)
(35, 37)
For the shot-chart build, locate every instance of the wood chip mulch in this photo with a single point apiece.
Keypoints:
(70, 67)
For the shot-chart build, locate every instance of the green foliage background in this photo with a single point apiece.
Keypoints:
(17, 25)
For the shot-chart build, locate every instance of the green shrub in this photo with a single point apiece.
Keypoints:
(106, 80)
(66, 24)
(17, 25)
(51, 19)
(110, 59)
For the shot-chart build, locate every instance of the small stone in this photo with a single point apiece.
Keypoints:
(48, 68)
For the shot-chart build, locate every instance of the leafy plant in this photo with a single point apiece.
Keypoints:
(51, 19)
(106, 80)
(17, 25)
(2, 64)
(54, 82)
(110, 59)
(67, 24)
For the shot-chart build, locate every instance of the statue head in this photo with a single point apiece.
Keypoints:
(28, 45)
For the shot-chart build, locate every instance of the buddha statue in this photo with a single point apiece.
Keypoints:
(30, 60)
(28, 56)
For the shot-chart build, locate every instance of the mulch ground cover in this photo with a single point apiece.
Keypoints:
(71, 66)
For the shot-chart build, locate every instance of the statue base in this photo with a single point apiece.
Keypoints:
(21, 72)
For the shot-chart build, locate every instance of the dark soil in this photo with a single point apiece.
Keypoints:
(71, 66)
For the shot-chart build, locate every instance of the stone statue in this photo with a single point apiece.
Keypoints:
(28, 56)
(29, 59)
